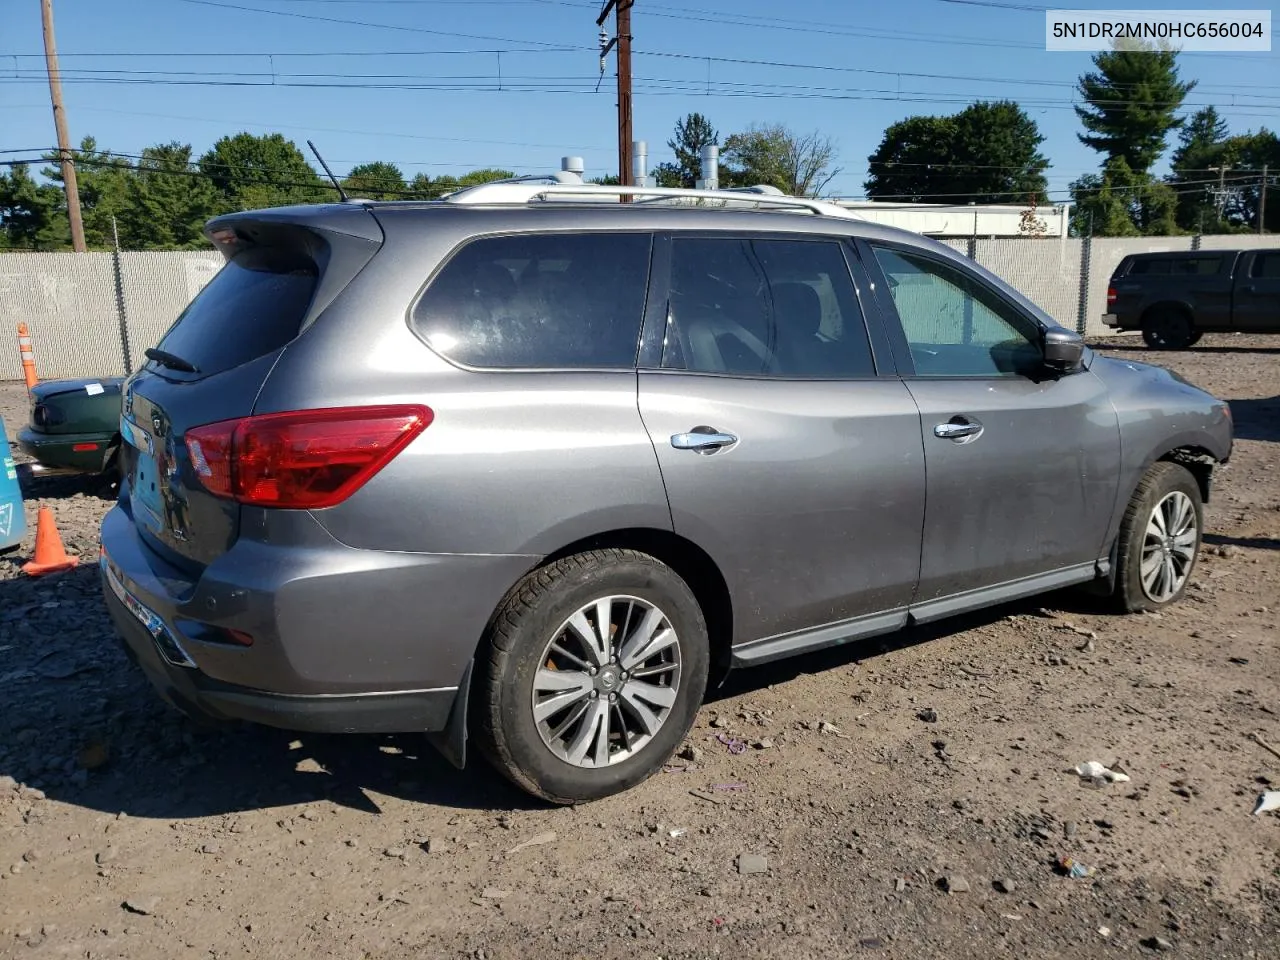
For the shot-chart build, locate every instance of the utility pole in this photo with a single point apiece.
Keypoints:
(1262, 200)
(1221, 198)
(622, 39)
(60, 124)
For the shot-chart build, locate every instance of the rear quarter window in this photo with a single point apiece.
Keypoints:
(1149, 268)
(539, 301)
(1196, 266)
(253, 306)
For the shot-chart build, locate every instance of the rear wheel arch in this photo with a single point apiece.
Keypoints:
(689, 561)
(1167, 306)
(1168, 325)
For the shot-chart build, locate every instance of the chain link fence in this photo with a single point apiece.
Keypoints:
(93, 314)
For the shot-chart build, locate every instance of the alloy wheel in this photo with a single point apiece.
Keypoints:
(1168, 547)
(606, 681)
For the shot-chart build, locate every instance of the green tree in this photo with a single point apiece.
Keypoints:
(692, 133)
(419, 187)
(376, 181)
(667, 175)
(1244, 156)
(429, 188)
(32, 215)
(251, 172)
(986, 153)
(1120, 202)
(1201, 143)
(1256, 151)
(103, 181)
(1131, 103)
(797, 164)
(168, 201)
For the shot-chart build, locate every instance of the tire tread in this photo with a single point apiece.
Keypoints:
(503, 635)
(1162, 473)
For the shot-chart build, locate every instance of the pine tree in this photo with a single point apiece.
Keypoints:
(1201, 144)
(691, 134)
(1132, 103)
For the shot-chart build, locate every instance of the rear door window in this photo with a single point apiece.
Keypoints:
(759, 307)
(1266, 266)
(539, 301)
(254, 305)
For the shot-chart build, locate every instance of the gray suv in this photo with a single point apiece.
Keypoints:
(533, 466)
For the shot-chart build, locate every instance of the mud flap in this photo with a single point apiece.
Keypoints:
(451, 742)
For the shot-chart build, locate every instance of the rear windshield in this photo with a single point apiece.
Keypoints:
(253, 306)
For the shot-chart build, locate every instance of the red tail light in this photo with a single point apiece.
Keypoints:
(1111, 295)
(305, 460)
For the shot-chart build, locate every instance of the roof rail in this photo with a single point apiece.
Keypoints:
(526, 190)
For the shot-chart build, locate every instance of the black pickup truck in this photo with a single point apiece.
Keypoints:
(1175, 297)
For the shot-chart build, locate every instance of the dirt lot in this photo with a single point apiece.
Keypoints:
(124, 832)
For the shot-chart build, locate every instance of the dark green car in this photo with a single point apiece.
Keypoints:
(75, 426)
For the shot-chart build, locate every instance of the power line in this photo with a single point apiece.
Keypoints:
(1233, 90)
(398, 134)
(718, 18)
(663, 86)
(383, 26)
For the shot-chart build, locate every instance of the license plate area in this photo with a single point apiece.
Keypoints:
(144, 478)
(163, 637)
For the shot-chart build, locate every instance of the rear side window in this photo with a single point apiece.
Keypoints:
(1153, 267)
(253, 306)
(764, 308)
(539, 301)
(1266, 265)
(1196, 266)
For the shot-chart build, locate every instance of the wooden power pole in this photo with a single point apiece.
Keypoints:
(60, 124)
(622, 38)
(1262, 201)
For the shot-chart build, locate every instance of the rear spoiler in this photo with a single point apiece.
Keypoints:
(298, 226)
(340, 239)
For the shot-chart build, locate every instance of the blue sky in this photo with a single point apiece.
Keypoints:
(851, 69)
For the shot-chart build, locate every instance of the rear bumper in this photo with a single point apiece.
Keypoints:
(202, 697)
(1111, 320)
(343, 640)
(57, 451)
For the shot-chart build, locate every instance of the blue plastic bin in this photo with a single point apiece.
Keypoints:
(13, 521)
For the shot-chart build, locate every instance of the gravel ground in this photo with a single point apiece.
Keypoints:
(906, 798)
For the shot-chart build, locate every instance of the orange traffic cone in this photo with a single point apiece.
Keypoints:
(50, 556)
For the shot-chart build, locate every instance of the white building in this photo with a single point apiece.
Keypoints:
(960, 221)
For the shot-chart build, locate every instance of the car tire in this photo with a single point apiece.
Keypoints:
(1168, 330)
(545, 696)
(1195, 338)
(1159, 541)
(109, 479)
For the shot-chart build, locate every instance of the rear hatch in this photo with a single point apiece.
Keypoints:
(283, 267)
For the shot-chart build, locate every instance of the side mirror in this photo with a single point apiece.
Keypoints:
(1063, 350)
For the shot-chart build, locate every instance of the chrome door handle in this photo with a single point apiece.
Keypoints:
(702, 440)
(961, 431)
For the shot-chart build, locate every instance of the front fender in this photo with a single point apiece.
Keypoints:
(1160, 413)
